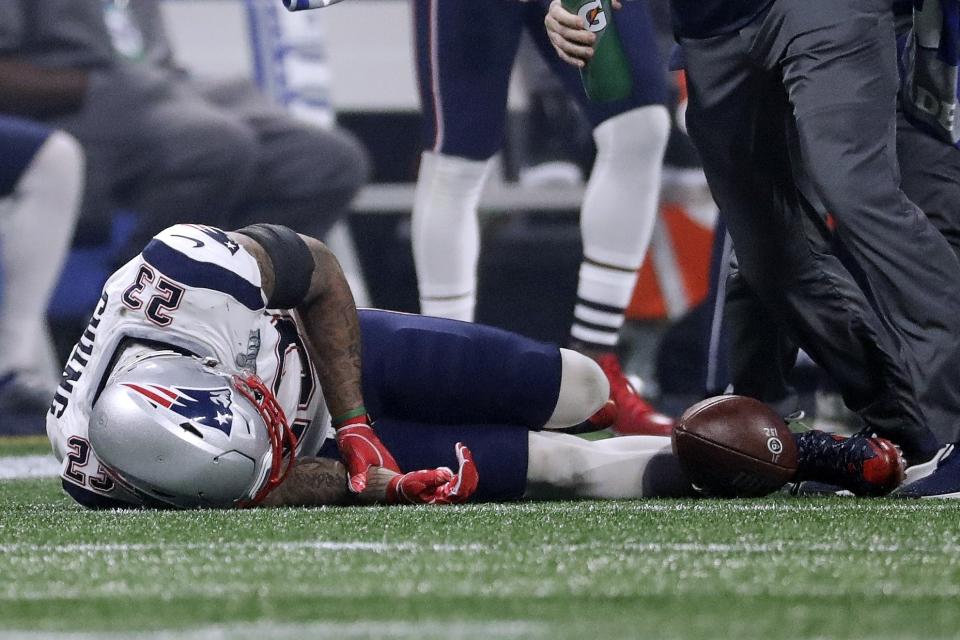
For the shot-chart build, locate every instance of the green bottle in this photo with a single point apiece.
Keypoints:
(607, 76)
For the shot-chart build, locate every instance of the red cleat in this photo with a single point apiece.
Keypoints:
(605, 416)
(635, 417)
(863, 464)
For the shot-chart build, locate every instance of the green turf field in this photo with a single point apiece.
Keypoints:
(776, 568)
(24, 445)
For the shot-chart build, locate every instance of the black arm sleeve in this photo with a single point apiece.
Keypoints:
(292, 262)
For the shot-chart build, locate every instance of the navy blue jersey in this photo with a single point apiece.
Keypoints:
(706, 18)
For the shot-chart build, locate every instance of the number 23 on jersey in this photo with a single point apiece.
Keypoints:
(165, 299)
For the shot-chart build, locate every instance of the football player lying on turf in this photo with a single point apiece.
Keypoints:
(194, 387)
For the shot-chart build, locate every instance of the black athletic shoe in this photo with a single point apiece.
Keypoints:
(863, 464)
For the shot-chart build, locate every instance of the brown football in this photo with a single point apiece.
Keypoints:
(733, 446)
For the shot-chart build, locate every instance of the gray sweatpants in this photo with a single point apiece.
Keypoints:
(174, 150)
(931, 179)
(761, 352)
(798, 110)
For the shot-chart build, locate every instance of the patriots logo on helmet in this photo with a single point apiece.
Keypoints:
(209, 407)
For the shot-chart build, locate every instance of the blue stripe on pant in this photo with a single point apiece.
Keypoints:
(465, 53)
(431, 382)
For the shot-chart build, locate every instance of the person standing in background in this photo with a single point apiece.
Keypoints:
(465, 54)
(792, 106)
(41, 183)
(157, 141)
(929, 158)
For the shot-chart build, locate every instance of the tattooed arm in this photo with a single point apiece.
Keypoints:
(313, 482)
(332, 329)
(318, 482)
(330, 319)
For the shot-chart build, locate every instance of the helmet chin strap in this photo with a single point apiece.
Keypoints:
(281, 435)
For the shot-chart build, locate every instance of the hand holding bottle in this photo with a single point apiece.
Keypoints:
(584, 35)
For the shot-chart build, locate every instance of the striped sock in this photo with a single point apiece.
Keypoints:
(602, 298)
(617, 219)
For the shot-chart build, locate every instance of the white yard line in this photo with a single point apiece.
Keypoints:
(239, 588)
(341, 630)
(20, 467)
(232, 548)
(426, 629)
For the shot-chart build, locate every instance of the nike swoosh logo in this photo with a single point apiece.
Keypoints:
(199, 243)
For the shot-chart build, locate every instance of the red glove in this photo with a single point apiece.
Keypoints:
(436, 486)
(361, 449)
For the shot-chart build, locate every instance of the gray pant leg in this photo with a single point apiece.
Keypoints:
(738, 119)
(762, 355)
(839, 67)
(306, 176)
(156, 147)
(930, 177)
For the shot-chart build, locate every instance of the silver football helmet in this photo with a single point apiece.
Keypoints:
(179, 430)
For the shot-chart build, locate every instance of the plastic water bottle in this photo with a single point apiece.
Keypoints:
(607, 76)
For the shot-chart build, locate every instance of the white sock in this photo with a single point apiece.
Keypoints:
(36, 226)
(583, 390)
(446, 234)
(562, 466)
(617, 218)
